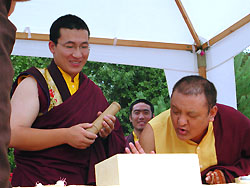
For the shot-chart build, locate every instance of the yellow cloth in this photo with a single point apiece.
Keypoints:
(55, 97)
(21, 78)
(73, 86)
(135, 137)
(166, 141)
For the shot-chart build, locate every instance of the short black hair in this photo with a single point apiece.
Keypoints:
(67, 21)
(195, 85)
(143, 101)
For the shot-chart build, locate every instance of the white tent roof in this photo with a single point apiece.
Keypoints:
(152, 33)
(143, 20)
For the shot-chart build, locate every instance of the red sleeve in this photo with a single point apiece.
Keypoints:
(232, 141)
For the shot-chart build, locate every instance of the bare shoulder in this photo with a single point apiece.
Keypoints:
(29, 81)
(147, 140)
(27, 85)
(25, 103)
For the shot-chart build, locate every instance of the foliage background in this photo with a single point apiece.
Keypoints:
(125, 84)
(242, 78)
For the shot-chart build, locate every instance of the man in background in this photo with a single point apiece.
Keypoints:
(141, 111)
(7, 39)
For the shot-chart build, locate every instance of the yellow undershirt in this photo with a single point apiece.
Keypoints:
(166, 141)
(73, 86)
(135, 137)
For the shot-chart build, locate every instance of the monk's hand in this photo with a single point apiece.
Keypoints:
(136, 149)
(215, 177)
(108, 125)
(78, 137)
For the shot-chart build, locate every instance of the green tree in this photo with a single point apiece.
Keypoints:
(11, 159)
(125, 84)
(242, 78)
(22, 63)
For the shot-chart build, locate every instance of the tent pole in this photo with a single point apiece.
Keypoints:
(188, 22)
(201, 57)
(227, 32)
(202, 64)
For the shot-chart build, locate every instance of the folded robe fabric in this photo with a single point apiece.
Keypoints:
(232, 142)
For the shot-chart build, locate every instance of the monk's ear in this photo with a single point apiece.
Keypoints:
(212, 113)
(52, 46)
(130, 118)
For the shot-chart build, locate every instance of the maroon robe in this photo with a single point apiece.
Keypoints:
(232, 142)
(129, 138)
(76, 165)
(7, 39)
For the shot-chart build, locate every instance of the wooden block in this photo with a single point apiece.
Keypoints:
(149, 169)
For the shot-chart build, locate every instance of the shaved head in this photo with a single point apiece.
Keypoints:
(196, 85)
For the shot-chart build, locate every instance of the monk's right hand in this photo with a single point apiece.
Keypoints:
(135, 149)
(78, 137)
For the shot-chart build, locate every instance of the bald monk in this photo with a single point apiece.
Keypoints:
(195, 123)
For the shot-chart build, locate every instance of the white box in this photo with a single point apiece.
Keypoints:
(149, 170)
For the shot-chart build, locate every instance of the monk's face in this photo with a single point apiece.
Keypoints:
(190, 116)
(140, 115)
(72, 50)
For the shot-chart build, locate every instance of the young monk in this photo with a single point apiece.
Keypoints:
(51, 110)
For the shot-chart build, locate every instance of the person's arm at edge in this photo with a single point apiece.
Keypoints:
(147, 140)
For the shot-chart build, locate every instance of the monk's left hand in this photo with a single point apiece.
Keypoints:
(108, 125)
(215, 177)
(136, 149)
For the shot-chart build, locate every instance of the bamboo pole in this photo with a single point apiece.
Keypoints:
(227, 32)
(188, 22)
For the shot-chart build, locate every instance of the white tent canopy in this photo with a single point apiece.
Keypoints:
(151, 33)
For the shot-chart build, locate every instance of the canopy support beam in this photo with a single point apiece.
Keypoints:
(202, 65)
(113, 42)
(227, 32)
(188, 22)
(201, 59)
